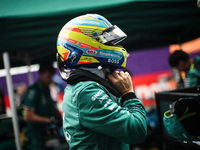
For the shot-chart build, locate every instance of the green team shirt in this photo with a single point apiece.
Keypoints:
(193, 75)
(94, 119)
(39, 100)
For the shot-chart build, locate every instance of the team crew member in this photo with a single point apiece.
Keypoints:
(184, 63)
(39, 108)
(101, 111)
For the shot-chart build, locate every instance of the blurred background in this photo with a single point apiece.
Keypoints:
(155, 28)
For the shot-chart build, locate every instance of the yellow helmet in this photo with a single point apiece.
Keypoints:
(90, 40)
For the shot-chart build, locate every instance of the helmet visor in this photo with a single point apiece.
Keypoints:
(112, 35)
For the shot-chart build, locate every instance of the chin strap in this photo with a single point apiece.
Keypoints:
(77, 76)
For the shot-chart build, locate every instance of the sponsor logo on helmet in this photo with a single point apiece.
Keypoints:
(91, 52)
(110, 55)
(88, 22)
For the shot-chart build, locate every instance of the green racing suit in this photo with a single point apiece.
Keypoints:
(95, 119)
(193, 74)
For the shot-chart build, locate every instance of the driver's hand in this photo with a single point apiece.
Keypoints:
(121, 81)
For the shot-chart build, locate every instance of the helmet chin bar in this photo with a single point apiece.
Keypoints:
(64, 73)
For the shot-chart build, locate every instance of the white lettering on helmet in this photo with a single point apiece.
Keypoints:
(114, 61)
(88, 22)
(105, 54)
